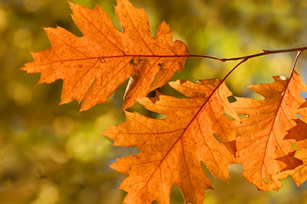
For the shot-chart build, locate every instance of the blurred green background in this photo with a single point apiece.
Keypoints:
(55, 154)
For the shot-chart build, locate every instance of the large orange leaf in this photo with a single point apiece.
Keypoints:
(94, 65)
(261, 133)
(195, 130)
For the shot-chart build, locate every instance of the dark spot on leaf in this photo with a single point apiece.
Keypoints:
(228, 116)
(231, 99)
(243, 116)
(217, 138)
(293, 145)
(132, 62)
(144, 59)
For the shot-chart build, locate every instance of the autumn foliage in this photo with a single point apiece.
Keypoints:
(266, 136)
(93, 66)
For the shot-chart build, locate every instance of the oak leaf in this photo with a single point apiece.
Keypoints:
(303, 112)
(299, 174)
(94, 65)
(195, 130)
(299, 134)
(261, 135)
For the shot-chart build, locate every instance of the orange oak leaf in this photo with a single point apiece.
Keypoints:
(299, 174)
(299, 132)
(261, 134)
(94, 65)
(303, 112)
(195, 130)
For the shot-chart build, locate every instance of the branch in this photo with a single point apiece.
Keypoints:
(234, 68)
(296, 59)
(264, 52)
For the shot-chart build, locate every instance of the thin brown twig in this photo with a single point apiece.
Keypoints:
(264, 52)
(296, 59)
